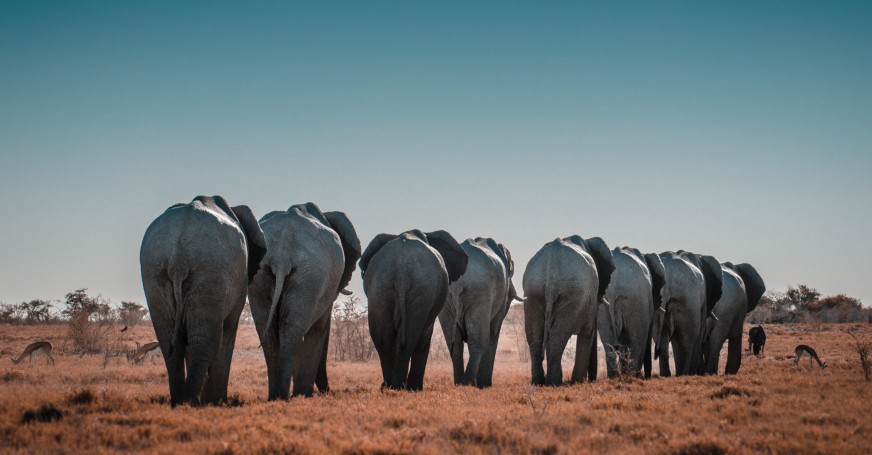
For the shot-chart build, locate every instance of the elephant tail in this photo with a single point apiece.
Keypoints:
(178, 281)
(550, 299)
(400, 319)
(267, 335)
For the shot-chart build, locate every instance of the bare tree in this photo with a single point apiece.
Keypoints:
(349, 332)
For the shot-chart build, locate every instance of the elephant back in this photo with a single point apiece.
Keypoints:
(372, 249)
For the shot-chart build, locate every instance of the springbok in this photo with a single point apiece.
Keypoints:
(802, 350)
(142, 351)
(40, 347)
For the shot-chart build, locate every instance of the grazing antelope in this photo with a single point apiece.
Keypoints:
(802, 350)
(142, 351)
(40, 347)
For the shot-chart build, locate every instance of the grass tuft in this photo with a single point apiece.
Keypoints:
(45, 413)
(84, 396)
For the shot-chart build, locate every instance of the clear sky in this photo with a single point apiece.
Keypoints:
(741, 130)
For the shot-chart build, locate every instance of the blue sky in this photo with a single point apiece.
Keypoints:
(742, 130)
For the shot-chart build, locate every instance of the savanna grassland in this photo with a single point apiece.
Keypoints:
(100, 404)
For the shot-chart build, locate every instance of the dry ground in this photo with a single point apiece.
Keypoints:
(771, 406)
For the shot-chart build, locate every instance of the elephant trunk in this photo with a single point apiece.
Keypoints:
(267, 335)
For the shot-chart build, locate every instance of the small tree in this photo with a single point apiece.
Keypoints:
(7, 314)
(90, 321)
(35, 311)
(863, 348)
(131, 313)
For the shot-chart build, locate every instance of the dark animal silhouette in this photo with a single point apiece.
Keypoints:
(757, 339)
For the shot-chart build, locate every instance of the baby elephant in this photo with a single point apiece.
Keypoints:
(756, 339)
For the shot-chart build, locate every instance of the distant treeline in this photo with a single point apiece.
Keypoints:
(802, 303)
(76, 305)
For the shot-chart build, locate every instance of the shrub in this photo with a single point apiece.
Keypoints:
(45, 413)
(349, 332)
(90, 322)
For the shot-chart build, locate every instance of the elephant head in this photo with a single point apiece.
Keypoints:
(452, 254)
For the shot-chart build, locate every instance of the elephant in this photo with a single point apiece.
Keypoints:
(757, 340)
(563, 283)
(624, 323)
(197, 261)
(477, 304)
(692, 285)
(743, 287)
(406, 279)
(309, 261)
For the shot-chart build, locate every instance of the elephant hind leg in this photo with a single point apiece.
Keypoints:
(419, 362)
(308, 358)
(321, 375)
(176, 375)
(215, 391)
(734, 355)
(646, 358)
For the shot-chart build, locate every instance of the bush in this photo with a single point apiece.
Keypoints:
(90, 322)
(804, 304)
(349, 332)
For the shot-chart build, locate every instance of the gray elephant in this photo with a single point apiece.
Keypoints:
(197, 260)
(743, 287)
(692, 286)
(624, 323)
(406, 278)
(310, 258)
(477, 304)
(563, 283)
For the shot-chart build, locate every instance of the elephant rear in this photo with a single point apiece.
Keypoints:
(560, 284)
(406, 281)
(195, 268)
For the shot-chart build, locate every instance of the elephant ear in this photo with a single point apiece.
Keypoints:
(508, 255)
(658, 277)
(714, 280)
(605, 263)
(253, 236)
(452, 254)
(754, 286)
(500, 252)
(374, 246)
(350, 244)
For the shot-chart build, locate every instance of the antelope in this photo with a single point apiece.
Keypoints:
(802, 350)
(40, 347)
(148, 349)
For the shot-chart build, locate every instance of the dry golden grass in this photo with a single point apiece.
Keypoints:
(771, 406)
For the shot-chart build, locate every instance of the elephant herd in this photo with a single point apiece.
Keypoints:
(200, 262)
